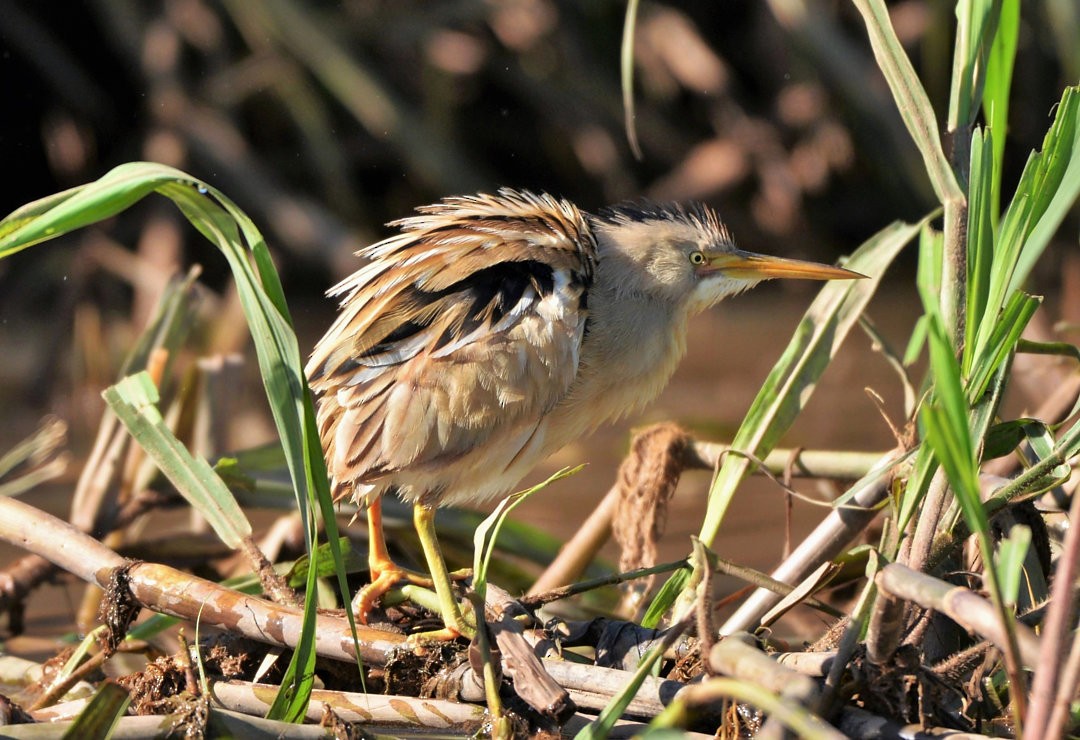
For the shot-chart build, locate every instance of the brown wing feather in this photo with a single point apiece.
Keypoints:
(463, 328)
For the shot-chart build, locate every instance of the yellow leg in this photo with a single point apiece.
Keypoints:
(424, 520)
(384, 571)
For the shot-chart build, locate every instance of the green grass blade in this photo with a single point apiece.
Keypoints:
(133, 401)
(980, 245)
(918, 482)
(1011, 554)
(217, 218)
(28, 213)
(488, 531)
(601, 727)
(276, 346)
(1002, 341)
(948, 434)
(996, 89)
(928, 278)
(910, 97)
(665, 597)
(100, 717)
(1042, 444)
(1049, 185)
(292, 699)
(916, 342)
(975, 30)
(1062, 183)
(797, 720)
(324, 563)
(73, 209)
(1042, 475)
(947, 430)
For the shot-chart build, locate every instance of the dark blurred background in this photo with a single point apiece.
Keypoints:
(324, 120)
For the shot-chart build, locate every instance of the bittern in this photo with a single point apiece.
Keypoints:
(494, 329)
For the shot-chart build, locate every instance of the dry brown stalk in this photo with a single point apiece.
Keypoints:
(646, 482)
(533, 601)
(855, 722)
(531, 682)
(169, 591)
(738, 656)
(886, 629)
(808, 663)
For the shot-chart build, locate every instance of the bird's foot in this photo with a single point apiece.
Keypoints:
(385, 575)
(371, 595)
(420, 639)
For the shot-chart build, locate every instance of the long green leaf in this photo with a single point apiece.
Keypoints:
(1011, 554)
(975, 30)
(487, 533)
(291, 701)
(998, 84)
(1051, 177)
(134, 400)
(1002, 342)
(980, 244)
(928, 278)
(1061, 183)
(948, 434)
(911, 98)
(601, 727)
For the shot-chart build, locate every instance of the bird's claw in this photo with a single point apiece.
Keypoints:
(422, 639)
(368, 597)
(386, 575)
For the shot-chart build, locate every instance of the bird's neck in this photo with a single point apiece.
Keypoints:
(632, 345)
(634, 335)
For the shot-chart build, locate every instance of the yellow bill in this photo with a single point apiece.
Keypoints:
(751, 266)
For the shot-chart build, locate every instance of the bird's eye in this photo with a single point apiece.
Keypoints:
(697, 258)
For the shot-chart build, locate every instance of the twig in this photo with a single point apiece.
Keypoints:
(737, 657)
(57, 690)
(172, 592)
(826, 541)
(835, 464)
(531, 681)
(377, 712)
(849, 643)
(533, 601)
(787, 711)
(958, 603)
(1050, 697)
(855, 722)
(580, 550)
(927, 524)
(886, 629)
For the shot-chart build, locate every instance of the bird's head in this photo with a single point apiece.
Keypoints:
(685, 256)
